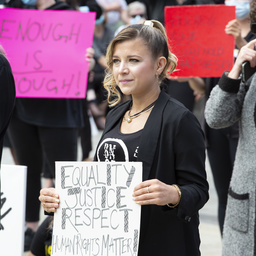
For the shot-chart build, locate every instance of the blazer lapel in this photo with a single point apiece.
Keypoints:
(150, 135)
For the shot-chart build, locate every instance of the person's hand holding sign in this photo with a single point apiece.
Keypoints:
(49, 199)
(156, 192)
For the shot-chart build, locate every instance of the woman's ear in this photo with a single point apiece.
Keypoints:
(161, 63)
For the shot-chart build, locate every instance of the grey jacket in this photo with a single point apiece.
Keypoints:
(232, 101)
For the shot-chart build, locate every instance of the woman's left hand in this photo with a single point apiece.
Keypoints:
(155, 192)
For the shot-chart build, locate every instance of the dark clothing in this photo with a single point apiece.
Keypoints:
(7, 97)
(118, 146)
(171, 148)
(42, 241)
(155, 9)
(182, 92)
(35, 144)
(221, 148)
(221, 156)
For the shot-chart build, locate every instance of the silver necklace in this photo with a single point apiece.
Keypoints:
(146, 109)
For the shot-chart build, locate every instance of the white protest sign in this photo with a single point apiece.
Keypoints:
(97, 215)
(12, 205)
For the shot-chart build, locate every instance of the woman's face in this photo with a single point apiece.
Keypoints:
(134, 69)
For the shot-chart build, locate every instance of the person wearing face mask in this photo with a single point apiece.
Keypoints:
(240, 27)
(137, 14)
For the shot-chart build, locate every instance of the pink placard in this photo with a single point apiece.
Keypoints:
(46, 50)
(197, 37)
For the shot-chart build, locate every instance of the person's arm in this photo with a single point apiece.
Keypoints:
(233, 28)
(224, 105)
(197, 84)
(189, 147)
(190, 191)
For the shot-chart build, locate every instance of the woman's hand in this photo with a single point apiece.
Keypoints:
(49, 199)
(89, 57)
(233, 28)
(155, 192)
(247, 53)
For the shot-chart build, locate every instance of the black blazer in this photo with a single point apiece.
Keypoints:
(172, 150)
(7, 97)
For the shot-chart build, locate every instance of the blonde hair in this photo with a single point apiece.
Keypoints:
(156, 40)
(2, 51)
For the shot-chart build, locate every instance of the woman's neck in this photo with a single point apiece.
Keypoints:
(44, 4)
(139, 103)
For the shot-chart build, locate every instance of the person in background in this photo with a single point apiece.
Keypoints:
(96, 94)
(230, 101)
(136, 12)
(222, 143)
(43, 131)
(42, 240)
(158, 131)
(115, 12)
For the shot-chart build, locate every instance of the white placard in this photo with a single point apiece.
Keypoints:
(12, 204)
(97, 215)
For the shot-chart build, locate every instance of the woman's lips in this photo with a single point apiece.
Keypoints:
(125, 81)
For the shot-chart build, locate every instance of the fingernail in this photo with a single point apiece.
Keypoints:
(56, 205)
(57, 201)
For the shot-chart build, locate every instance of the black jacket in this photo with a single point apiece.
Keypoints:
(172, 150)
(7, 97)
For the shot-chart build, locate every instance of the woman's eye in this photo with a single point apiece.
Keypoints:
(134, 60)
(115, 61)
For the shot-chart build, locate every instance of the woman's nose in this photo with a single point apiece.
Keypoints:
(123, 68)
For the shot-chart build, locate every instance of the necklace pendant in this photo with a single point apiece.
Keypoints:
(129, 120)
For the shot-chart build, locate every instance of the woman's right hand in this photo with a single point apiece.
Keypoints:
(247, 53)
(49, 199)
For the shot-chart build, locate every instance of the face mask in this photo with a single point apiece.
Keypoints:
(84, 9)
(135, 20)
(242, 8)
(29, 2)
(100, 20)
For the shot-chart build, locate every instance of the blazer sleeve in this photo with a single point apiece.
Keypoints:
(224, 105)
(190, 166)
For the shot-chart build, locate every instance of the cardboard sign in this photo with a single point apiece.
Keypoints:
(12, 205)
(97, 215)
(197, 37)
(46, 50)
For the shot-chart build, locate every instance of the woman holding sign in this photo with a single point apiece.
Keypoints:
(158, 131)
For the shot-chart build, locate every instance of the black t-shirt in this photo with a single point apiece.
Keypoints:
(117, 146)
(42, 241)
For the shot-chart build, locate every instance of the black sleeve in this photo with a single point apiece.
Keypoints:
(42, 236)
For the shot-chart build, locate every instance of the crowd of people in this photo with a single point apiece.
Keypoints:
(131, 98)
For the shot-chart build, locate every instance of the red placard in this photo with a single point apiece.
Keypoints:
(197, 37)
